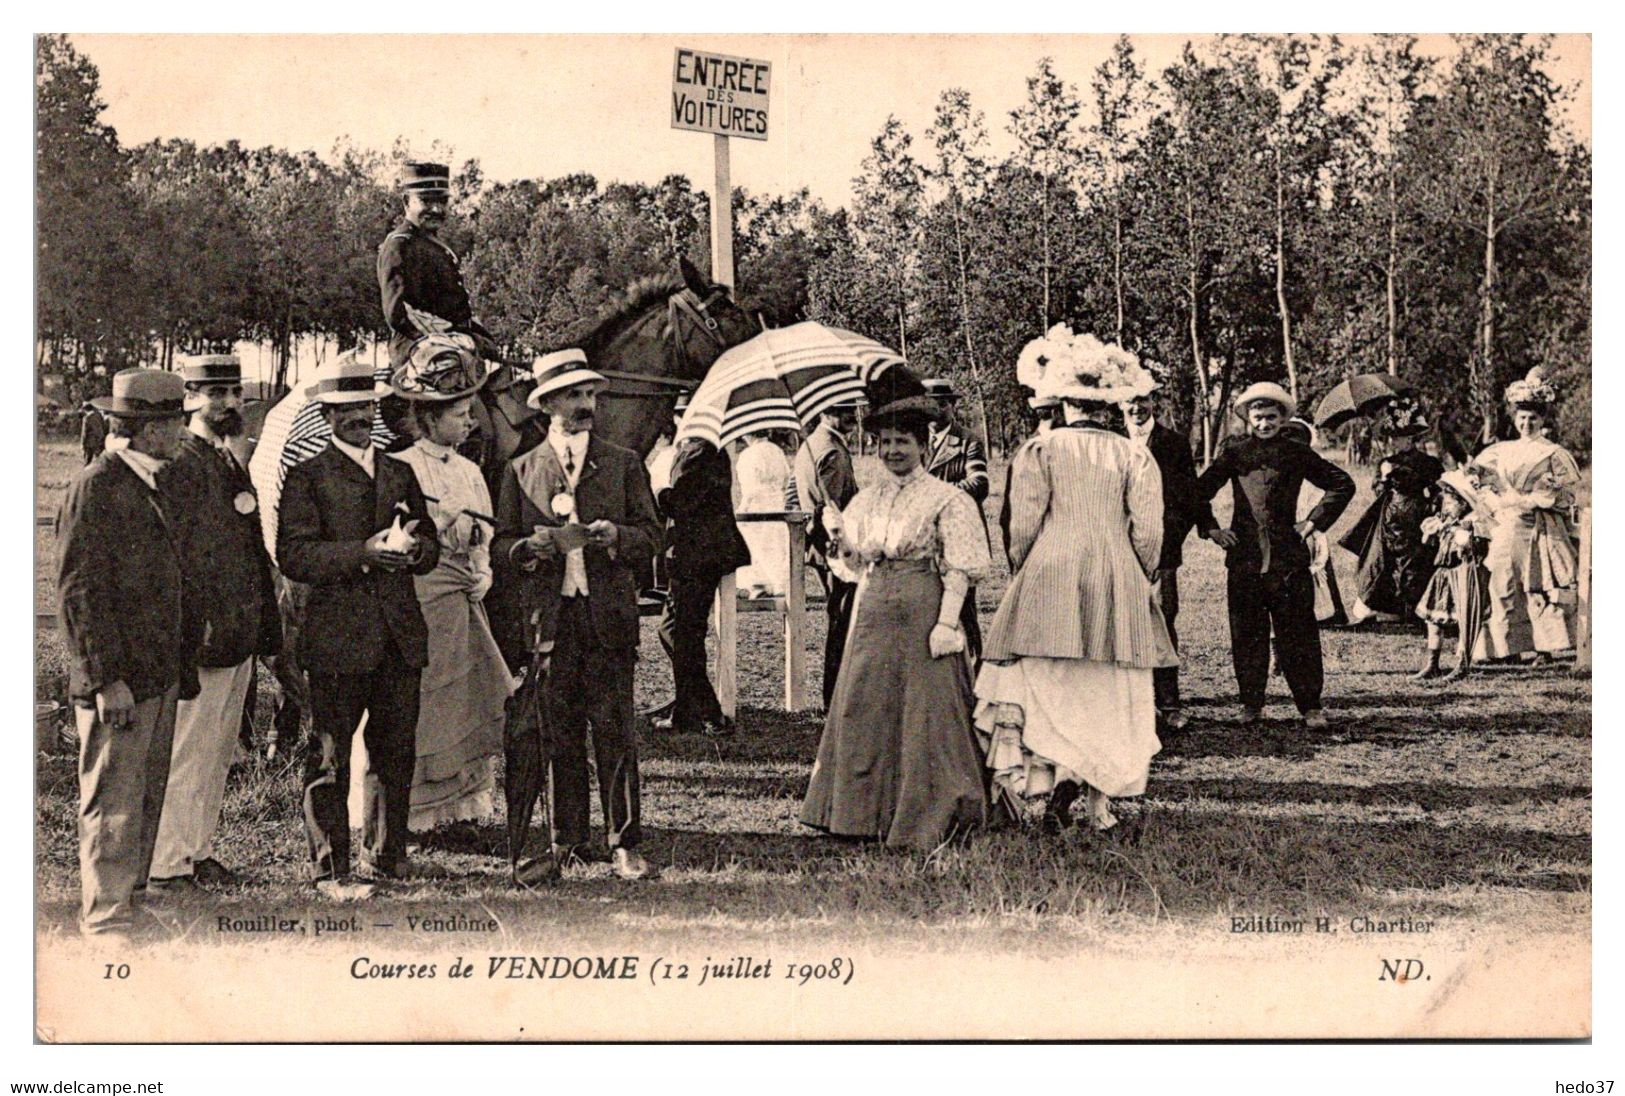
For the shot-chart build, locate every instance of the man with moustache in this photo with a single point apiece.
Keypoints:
(1181, 510)
(348, 528)
(576, 520)
(130, 638)
(228, 576)
(419, 278)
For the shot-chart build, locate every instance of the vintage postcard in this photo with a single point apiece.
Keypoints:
(812, 537)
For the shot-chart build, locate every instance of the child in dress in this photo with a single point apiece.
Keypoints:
(1458, 593)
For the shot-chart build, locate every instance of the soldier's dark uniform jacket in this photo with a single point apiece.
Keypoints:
(415, 268)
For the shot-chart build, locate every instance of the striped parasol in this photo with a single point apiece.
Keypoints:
(295, 430)
(782, 379)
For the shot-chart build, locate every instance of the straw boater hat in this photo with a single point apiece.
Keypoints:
(1533, 392)
(1264, 390)
(206, 369)
(144, 394)
(440, 368)
(1081, 368)
(422, 177)
(345, 379)
(559, 370)
(941, 388)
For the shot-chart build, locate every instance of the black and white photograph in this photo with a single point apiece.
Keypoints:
(812, 537)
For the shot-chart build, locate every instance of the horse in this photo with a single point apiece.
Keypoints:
(656, 341)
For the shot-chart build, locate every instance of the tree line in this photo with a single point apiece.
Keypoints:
(1292, 208)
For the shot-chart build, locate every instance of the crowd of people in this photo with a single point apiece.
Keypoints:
(168, 595)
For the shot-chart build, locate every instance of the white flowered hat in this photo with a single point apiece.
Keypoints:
(1081, 367)
(1532, 391)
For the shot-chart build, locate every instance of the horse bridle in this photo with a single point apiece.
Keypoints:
(681, 306)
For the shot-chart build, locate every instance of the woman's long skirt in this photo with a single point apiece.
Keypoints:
(1052, 719)
(898, 760)
(460, 708)
(1530, 610)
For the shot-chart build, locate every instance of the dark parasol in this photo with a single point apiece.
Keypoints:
(1355, 397)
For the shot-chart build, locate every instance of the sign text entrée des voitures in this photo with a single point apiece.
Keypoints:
(712, 93)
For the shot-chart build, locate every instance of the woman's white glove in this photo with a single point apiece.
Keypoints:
(946, 639)
(481, 587)
(832, 523)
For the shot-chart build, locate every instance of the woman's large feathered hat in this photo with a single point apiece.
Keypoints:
(898, 392)
(1067, 366)
(1533, 391)
(440, 368)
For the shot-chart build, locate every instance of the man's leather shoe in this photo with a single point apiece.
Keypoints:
(588, 852)
(212, 873)
(345, 890)
(177, 888)
(630, 864)
(531, 874)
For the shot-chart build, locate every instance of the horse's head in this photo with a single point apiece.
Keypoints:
(669, 332)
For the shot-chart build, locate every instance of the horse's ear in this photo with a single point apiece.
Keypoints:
(692, 277)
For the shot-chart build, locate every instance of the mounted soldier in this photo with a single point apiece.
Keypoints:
(419, 278)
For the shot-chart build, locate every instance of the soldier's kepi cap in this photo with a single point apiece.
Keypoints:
(345, 379)
(144, 394)
(559, 370)
(422, 177)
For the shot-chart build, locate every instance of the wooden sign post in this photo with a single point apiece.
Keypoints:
(725, 97)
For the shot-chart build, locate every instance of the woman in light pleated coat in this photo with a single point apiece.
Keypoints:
(1065, 698)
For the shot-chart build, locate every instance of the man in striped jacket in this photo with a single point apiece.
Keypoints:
(957, 456)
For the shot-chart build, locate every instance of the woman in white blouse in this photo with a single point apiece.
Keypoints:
(466, 684)
(898, 760)
(762, 473)
(1065, 697)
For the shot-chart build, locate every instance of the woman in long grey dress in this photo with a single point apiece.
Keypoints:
(898, 760)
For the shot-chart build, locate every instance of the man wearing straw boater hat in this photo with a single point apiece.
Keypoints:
(1269, 584)
(349, 528)
(419, 278)
(130, 636)
(577, 527)
(228, 576)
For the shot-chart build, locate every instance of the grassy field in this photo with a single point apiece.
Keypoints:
(1471, 804)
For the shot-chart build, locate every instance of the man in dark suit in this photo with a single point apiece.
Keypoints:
(228, 578)
(1269, 584)
(348, 528)
(130, 638)
(706, 546)
(576, 519)
(419, 279)
(824, 477)
(1181, 511)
